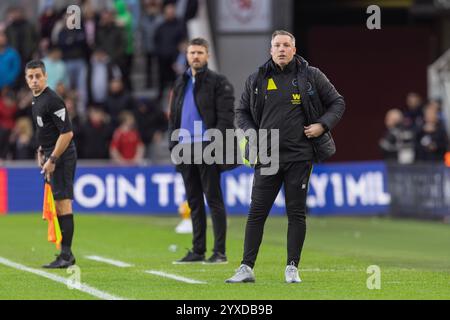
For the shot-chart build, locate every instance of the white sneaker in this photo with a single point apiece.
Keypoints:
(243, 274)
(185, 226)
(291, 274)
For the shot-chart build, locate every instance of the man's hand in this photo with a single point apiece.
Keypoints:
(40, 158)
(48, 169)
(313, 131)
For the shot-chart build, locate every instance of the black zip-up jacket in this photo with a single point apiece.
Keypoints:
(322, 104)
(214, 97)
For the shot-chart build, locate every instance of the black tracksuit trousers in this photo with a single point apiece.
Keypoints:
(295, 177)
(202, 179)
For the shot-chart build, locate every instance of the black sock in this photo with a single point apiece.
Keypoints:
(67, 226)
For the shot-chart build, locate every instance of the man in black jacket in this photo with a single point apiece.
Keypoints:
(202, 99)
(286, 94)
(168, 36)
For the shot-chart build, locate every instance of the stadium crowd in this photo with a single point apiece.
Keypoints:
(91, 68)
(415, 134)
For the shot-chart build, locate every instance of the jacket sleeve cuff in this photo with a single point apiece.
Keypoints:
(325, 126)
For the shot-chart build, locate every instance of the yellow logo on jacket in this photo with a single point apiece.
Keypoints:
(271, 85)
(296, 99)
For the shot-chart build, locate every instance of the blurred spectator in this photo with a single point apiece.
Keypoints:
(151, 121)
(90, 22)
(111, 38)
(100, 5)
(55, 68)
(96, 135)
(413, 113)
(101, 72)
(8, 109)
(60, 24)
(185, 9)
(62, 90)
(70, 102)
(167, 38)
(397, 143)
(390, 141)
(181, 64)
(22, 144)
(75, 52)
(9, 63)
(47, 21)
(124, 20)
(431, 141)
(134, 7)
(73, 45)
(24, 98)
(21, 34)
(126, 145)
(150, 21)
(119, 99)
(435, 105)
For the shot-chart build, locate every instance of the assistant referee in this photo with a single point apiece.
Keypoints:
(57, 154)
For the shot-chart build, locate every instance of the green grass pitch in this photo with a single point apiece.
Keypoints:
(413, 256)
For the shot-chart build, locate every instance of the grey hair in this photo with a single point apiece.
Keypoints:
(283, 33)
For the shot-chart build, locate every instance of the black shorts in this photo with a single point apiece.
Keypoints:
(63, 177)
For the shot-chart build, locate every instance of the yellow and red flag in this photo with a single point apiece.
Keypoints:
(49, 214)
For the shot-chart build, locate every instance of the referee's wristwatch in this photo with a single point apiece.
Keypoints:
(53, 159)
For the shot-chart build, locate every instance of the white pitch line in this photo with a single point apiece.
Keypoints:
(330, 270)
(83, 287)
(116, 263)
(174, 277)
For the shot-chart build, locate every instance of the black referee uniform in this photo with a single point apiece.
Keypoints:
(52, 119)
